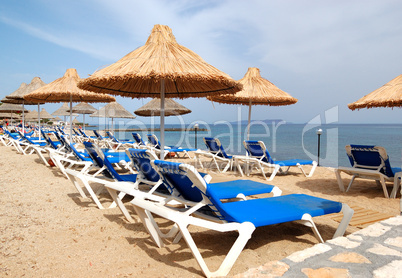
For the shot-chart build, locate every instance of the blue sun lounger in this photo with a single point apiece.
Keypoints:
(259, 156)
(215, 214)
(156, 146)
(370, 162)
(102, 161)
(137, 138)
(216, 153)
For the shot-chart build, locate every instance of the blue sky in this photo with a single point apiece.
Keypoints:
(324, 53)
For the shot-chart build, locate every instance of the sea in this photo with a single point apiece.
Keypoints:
(284, 140)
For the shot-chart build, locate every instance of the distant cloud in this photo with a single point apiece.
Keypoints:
(75, 41)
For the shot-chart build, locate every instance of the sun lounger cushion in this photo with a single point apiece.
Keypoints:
(277, 209)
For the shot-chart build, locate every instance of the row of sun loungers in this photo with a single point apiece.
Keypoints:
(156, 185)
(178, 192)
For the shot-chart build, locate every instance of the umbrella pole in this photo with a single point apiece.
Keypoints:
(162, 156)
(23, 121)
(71, 118)
(83, 116)
(39, 119)
(249, 117)
(111, 128)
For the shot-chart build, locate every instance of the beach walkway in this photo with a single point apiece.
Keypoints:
(375, 251)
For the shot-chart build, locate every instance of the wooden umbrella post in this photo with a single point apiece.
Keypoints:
(162, 155)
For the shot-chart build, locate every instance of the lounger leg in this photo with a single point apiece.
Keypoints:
(307, 220)
(40, 154)
(276, 169)
(397, 182)
(239, 168)
(350, 183)
(231, 257)
(150, 225)
(339, 179)
(217, 165)
(120, 204)
(347, 216)
(198, 160)
(77, 186)
(92, 193)
(227, 167)
(301, 169)
(384, 187)
(312, 169)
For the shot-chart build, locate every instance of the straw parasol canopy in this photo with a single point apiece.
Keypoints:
(389, 95)
(4, 115)
(161, 68)
(57, 119)
(113, 110)
(18, 95)
(83, 108)
(140, 73)
(32, 116)
(75, 121)
(8, 98)
(63, 111)
(9, 107)
(153, 108)
(45, 115)
(42, 115)
(65, 89)
(256, 91)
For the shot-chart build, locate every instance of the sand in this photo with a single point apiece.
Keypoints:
(48, 230)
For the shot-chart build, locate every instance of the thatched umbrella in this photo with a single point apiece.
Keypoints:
(65, 89)
(42, 115)
(256, 91)
(10, 108)
(57, 119)
(161, 68)
(18, 96)
(45, 115)
(83, 108)
(64, 111)
(113, 110)
(153, 108)
(75, 121)
(4, 115)
(389, 95)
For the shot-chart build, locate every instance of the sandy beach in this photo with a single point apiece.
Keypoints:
(48, 230)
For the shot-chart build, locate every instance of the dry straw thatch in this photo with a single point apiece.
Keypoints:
(65, 89)
(18, 95)
(139, 74)
(34, 115)
(153, 108)
(62, 111)
(9, 107)
(258, 91)
(83, 108)
(389, 95)
(113, 110)
(5, 115)
(10, 99)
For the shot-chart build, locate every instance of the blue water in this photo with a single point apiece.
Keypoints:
(287, 141)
